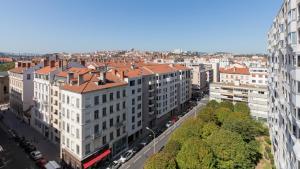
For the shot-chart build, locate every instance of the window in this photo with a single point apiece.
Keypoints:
(104, 98)
(77, 149)
(132, 83)
(28, 77)
(5, 90)
(111, 122)
(96, 129)
(133, 91)
(77, 118)
(87, 149)
(124, 116)
(124, 93)
(298, 61)
(118, 106)
(139, 123)
(96, 114)
(139, 81)
(111, 96)
(124, 105)
(118, 132)
(77, 133)
(96, 100)
(298, 86)
(104, 112)
(133, 101)
(133, 110)
(68, 100)
(111, 109)
(111, 136)
(104, 125)
(133, 119)
(104, 139)
(118, 94)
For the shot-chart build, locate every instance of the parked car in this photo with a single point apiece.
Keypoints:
(114, 165)
(24, 143)
(126, 156)
(138, 147)
(41, 163)
(36, 155)
(180, 116)
(169, 124)
(30, 148)
(158, 132)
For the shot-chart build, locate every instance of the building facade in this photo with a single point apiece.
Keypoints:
(255, 97)
(4, 88)
(284, 85)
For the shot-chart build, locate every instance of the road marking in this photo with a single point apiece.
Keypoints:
(147, 150)
(136, 159)
(127, 167)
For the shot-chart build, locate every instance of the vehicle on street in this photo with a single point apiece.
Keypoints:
(30, 148)
(41, 163)
(36, 155)
(169, 124)
(114, 165)
(174, 119)
(158, 132)
(126, 156)
(180, 116)
(24, 143)
(138, 147)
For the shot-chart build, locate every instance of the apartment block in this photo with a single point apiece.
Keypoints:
(284, 85)
(21, 88)
(4, 88)
(256, 97)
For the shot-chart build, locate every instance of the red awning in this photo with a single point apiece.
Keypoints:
(96, 159)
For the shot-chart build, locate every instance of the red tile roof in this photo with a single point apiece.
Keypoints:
(18, 70)
(90, 83)
(235, 70)
(46, 70)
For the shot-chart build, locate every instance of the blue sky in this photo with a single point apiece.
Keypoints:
(41, 26)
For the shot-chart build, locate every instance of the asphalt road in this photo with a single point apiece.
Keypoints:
(13, 156)
(137, 162)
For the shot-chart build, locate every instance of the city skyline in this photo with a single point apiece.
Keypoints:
(55, 26)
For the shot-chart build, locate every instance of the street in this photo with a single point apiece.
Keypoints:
(12, 156)
(137, 162)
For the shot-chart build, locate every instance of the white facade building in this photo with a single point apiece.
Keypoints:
(284, 85)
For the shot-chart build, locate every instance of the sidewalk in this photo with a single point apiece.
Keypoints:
(48, 149)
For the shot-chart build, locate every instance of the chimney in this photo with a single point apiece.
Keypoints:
(19, 64)
(114, 71)
(102, 77)
(60, 64)
(52, 63)
(122, 75)
(82, 62)
(69, 77)
(132, 66)
(46, 62)
(80, 79)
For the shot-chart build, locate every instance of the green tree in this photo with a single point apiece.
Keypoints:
(242, 124)
(208, 129)
(222, 113)
(213, 104)
(241, 107)
(195, 154)
(207, 114)
(161, 160)
(253, 149)
(190, 128)
(6, 66)
(227, 104)
(230, 150)
(172, 147)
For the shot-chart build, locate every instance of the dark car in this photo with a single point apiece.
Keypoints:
(30, 148)
(24, 143)
(138, 147)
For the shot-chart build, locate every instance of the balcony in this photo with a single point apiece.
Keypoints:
(119, 124)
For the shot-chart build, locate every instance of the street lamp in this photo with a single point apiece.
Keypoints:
(153, 138)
